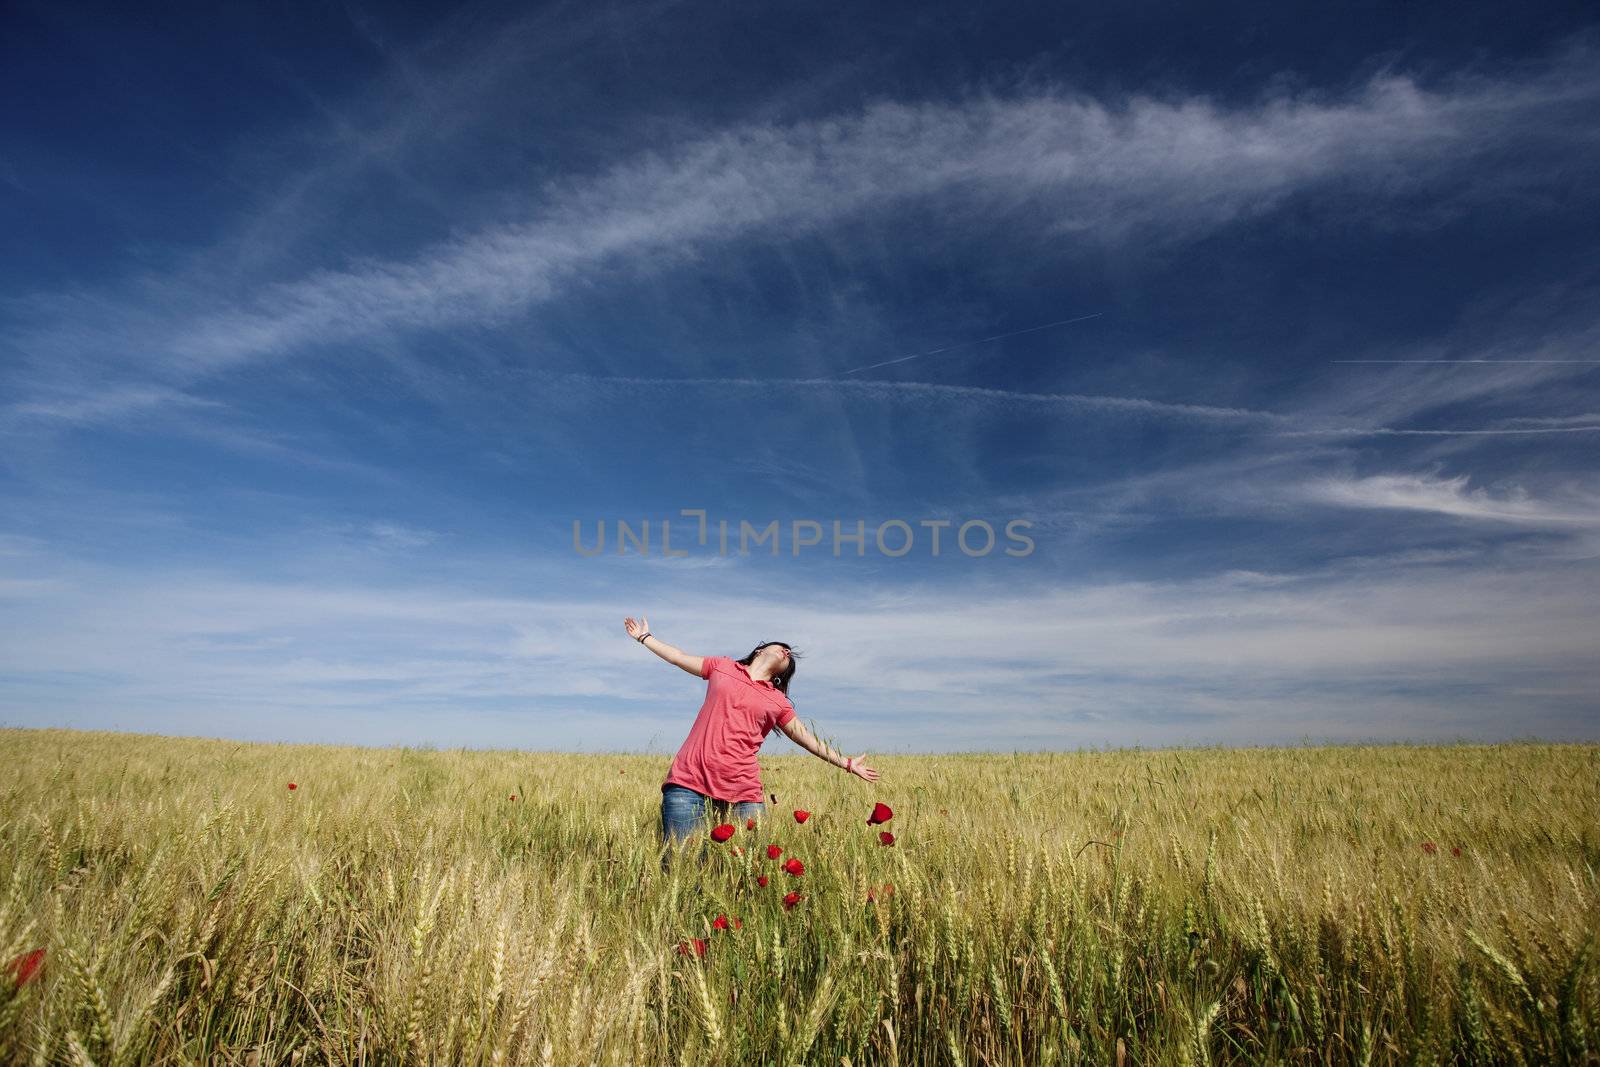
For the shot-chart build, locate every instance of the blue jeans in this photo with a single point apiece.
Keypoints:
(683, 811)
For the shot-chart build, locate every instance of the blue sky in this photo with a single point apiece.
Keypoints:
(320, 327)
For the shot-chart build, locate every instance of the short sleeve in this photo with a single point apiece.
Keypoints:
(707, 665)
(786, 715)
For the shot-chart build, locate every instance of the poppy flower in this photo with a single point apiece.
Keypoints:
(801, 816)
(794, 867)
(693, 947)
(881, 813)
(1455, 850)
(1429, 847)
(513, 796)
(761, 880)
(719, 923)
(885, 838)
(790, 900)
(23, 968)
(722, 833)
(773, 852)
(293, 786)
(750, 823)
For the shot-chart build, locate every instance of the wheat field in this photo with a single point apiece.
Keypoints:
(1308, 905)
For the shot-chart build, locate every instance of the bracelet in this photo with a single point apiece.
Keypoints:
(643, 636)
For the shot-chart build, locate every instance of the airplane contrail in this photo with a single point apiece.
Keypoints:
(1464, 361)
(980, 341)
(1385, 431)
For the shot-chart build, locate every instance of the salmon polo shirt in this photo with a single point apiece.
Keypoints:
(719, 756)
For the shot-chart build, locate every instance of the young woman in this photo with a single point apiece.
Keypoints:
(745, 699)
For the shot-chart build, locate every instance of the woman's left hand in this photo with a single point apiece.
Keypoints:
(858, 766)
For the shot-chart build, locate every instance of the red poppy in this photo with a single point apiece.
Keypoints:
(513, 796)
(1429, 847)
(1455, 850)
(719, 923)
(23, 968)
(794, 867)
(750, 823)
(773, 852)
(761, 880)
(293, 786)
(881, 813)
(693, 947)
(790, 900)
(801, 816)
(723, 832)
(885, 838)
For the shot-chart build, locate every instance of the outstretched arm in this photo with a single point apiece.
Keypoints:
(640, 627)
(800, 735)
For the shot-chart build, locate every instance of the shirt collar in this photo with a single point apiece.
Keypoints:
(746, 670)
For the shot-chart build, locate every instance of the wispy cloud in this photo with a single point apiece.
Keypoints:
(1284, 486)
(1547, 326)
(109, 405)
(1160, 169)
(1083, 165)
(1238, 656)
(1452, 497)
(398, 536)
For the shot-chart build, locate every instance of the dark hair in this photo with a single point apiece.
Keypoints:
(780, 682)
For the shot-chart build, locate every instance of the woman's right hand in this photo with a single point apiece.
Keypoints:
(858, 767)
(636, 628)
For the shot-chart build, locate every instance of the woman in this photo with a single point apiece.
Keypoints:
(745, 699)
